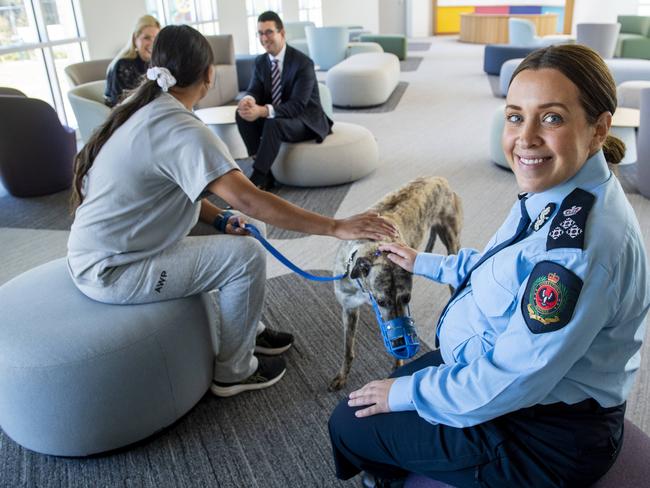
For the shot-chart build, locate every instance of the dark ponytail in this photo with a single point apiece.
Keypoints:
(589, 73)
(179, 48)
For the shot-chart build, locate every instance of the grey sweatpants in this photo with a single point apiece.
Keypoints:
(230, 273)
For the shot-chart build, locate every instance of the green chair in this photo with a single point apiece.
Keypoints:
(394, 43)
(634, 38)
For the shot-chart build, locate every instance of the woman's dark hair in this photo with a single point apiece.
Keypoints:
(179, 48)
(589, 73)
(269, 15)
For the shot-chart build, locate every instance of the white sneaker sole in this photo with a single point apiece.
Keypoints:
(228, 391)
(271, 352)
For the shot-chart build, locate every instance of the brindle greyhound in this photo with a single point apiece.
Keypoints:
(425, 205)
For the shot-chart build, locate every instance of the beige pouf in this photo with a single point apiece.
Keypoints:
(350, 152)
(363, 80)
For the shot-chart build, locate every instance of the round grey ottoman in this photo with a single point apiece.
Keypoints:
(350, 152)
(629, 93)
(363, 80)
(78, 377)
(496, 131)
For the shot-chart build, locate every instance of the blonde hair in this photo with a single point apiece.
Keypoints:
(128, 51)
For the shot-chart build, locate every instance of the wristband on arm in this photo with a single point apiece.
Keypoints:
(221, 221)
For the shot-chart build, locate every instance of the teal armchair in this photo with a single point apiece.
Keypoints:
(634, 38)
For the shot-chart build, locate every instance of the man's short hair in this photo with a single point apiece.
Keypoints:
(269, 15)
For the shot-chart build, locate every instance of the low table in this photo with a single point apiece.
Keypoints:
(221, 120)
(624, 124)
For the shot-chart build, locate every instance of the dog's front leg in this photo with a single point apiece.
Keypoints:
(350, 321)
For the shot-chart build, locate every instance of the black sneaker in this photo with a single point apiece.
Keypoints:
(272, 342)
(370, 481)
(263, 181)
(269, 371)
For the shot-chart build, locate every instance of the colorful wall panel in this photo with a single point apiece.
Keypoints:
(448, 18)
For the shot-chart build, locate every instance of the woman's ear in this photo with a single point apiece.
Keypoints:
(210, 76)
(602, 125)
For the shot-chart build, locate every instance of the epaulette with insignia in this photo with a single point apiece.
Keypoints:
(568, 226)
(550, 297)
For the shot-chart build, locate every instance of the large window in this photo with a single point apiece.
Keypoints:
(38, 39)
(311, 10)
(254, 8)
(200, 14)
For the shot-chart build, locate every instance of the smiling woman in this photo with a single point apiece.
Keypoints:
(552, 128)
(539, 344)
(128, 68)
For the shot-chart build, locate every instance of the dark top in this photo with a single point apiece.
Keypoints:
(125, 75)
(300, 98)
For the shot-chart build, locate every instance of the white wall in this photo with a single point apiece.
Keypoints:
(392, 17)
(109, 27)
(232, 20)
(418, 18)
(352, 12)
(602, 10)
(291, 10)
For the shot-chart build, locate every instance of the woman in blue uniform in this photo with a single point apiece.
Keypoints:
(539, 345)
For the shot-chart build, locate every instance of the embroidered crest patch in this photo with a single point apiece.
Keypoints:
(550, 297)
(568, 226)
(543, 216)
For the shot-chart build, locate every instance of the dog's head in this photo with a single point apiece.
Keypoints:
(389, 283)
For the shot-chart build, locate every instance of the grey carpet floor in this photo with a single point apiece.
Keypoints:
(411, 63)
(419, 46)
(388, 106)
(270, 438)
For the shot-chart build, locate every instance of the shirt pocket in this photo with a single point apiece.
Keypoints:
(493, 300)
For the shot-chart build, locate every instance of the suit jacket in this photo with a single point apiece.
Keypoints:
(300, 98)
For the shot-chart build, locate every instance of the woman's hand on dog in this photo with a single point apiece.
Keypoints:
(374, 394)
(401, 255)
(368, 225)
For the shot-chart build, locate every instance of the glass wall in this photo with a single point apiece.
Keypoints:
(311, 10)
(38, 39)
(200, 14)
(254, 8)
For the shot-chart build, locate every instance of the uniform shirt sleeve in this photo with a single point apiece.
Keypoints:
(519, 370)
(450, 270)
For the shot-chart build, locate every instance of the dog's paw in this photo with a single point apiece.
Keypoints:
(337, 383)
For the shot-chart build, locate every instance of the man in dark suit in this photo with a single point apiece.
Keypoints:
(282, 102)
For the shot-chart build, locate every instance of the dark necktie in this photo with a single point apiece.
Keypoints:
(520, 233)
(276, 84)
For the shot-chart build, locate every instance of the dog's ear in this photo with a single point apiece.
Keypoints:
(361, 268)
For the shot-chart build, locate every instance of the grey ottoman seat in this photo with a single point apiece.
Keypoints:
(496, 54)
(79, 377)
(497, 155)
(630, 470)
(363, 80)
(628, 93)
(350, 152)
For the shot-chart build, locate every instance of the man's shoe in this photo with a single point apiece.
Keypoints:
(263, 181)
(269, 371)
(272, 342)
(369, 481)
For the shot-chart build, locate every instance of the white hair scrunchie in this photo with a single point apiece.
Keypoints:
(162, 76)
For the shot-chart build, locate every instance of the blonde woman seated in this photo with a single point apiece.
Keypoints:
(129, 66)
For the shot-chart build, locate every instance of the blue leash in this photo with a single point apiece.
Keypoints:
(399, 334)
(256, 234)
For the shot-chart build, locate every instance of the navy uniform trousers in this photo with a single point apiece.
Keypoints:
(543, 445)
(264, 136)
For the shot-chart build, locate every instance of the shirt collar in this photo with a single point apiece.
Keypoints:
(592, 174)
(280, 56)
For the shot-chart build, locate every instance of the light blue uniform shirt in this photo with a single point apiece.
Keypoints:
(494, 364)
